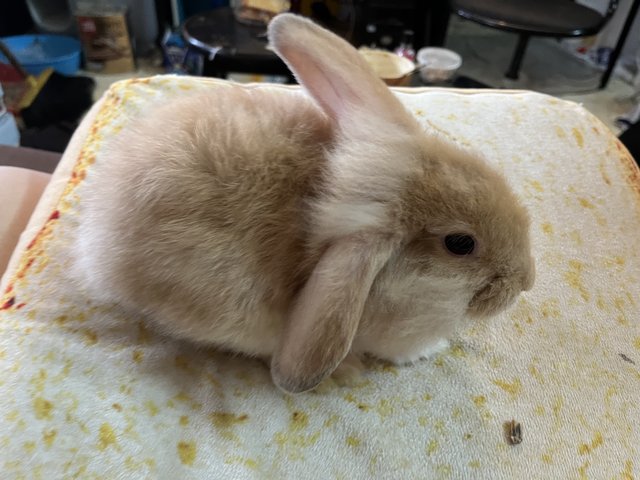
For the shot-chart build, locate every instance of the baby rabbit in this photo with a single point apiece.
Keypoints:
(301, 228)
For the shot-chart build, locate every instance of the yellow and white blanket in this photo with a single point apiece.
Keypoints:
(88, 393)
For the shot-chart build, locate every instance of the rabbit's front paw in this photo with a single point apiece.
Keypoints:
(421, 353)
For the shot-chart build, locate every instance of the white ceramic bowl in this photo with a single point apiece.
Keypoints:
(391, 68)
(440, 64)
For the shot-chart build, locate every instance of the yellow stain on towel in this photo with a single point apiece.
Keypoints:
(151, 407)
(627, 473)
(299, 420)
(636, 343)
(457, 351)
(560, 132)
(106, 437)
(444, 470)
(64, 373)
(577, 134)
(616, 261)
(186, 452)
(29, 446)
(480, 400)
(184, 420)
(137, 356)
(585, 448)
(353, 441)
(135, 465)
(556, 407)
(383, 366)
(224, 420)
(619, 304)
(535, 373)
(604, 174)
(90, 337)
(432, 446)
(38, 380)
(384, 408)
(611, 391)
(582, 470)
(512, 388)
(584, 203)
(42, 408)
(537, 186)
(293, 442)
(238, 460)
(12, 416)
(547, 228)
(551, 308)
(331, 421)
(362, 406)
(184, 398)
(575, 237)
(252, 464)
(49, 436)
(574, 278)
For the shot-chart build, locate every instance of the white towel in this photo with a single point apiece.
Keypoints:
(88, 393)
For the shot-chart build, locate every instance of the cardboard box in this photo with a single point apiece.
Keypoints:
(106, 43)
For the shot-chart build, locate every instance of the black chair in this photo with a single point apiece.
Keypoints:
(545, 18)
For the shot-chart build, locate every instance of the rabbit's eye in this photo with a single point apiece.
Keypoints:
(459, 244)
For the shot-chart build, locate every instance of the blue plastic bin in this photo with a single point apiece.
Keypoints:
(38, 52)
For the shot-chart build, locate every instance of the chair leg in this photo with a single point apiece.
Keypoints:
(516, 61)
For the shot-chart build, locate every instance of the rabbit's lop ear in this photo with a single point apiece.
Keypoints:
(334, 73)
(323, 323)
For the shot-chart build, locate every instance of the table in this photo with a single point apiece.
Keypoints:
(231, 46)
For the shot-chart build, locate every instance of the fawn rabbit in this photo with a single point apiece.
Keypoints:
(301, 227)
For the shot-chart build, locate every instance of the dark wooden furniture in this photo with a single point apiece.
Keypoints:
(527, 18)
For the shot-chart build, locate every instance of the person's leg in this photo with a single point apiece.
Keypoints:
(20, 190)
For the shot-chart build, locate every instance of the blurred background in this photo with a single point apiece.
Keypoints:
(61, 55)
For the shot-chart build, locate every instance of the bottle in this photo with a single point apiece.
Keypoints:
(405, 49)
(9, 133)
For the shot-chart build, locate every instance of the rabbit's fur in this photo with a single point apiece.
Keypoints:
(253, 220)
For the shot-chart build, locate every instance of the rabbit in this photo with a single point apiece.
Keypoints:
(308, 229)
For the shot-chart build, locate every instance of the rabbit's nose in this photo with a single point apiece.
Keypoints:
(529, 275)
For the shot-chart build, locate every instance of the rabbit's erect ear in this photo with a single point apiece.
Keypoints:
(323, 323)
(330, 69)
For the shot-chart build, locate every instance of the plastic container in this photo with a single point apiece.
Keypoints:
(38, 52)
(440, 64)
(391, 68)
